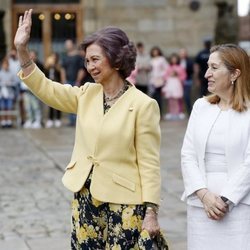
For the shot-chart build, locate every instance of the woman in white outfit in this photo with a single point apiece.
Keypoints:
(216, 156)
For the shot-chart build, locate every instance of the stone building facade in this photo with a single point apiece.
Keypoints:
(170, 24)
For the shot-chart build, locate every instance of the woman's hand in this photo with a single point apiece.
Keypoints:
(23, 32)
(150, 223)
(214, 206)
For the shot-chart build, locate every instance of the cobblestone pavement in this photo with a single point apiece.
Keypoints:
(34, 205)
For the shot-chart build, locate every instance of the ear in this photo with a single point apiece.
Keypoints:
(235, 75)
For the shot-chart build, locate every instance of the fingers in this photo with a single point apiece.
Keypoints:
(29, 14)
(151, 225)
(25, 18)
(25, 15)
(20, 22)
(215, 213)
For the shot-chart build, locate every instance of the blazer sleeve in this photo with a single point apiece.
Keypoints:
(147, 143)
(192, 176)
(238, 185)
(54, 94)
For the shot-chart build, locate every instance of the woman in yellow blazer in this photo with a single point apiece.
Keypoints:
(114, 171)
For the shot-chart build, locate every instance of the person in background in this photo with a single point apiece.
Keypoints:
(200, 67)
(8, 90)
(72, 70)
(33, 106)
(143, 68)
(105, 158)
(14, 65)
(15, 68)
(215, 156)
(174, 77)
(53, 72)
(187, 63)
(156, 79)
(86, 75)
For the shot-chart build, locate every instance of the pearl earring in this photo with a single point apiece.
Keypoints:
(232, 82)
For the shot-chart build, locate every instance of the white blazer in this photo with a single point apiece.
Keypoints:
(237, 186)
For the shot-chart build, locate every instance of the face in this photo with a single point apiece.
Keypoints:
(140, 49)
(174, 60)
(5, 64)
(183, 53)
(218, 76)
(97, 64)
(69, 45)
(155, 53)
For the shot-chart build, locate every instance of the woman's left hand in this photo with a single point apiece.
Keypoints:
(151, 224)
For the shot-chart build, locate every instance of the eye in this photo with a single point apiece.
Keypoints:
(95, 59)
(86, 62)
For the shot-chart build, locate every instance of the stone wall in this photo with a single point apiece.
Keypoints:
(170, 24)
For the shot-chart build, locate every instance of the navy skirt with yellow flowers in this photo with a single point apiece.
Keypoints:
(97, 225)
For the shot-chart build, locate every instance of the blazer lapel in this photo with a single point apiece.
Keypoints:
(207, 119)
(121, 100)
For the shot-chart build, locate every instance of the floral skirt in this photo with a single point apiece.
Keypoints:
(99, 225)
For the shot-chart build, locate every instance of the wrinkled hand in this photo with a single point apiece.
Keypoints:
(214, 206)
(150, 223)
(23, 32)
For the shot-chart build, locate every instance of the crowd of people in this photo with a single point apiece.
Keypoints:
(167, 79)
(15, 95)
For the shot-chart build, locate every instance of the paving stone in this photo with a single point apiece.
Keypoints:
(35, 208)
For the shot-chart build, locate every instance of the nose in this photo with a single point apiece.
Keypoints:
(90, 66)
(207, 74)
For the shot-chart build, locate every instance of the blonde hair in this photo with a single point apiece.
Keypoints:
(234, 58)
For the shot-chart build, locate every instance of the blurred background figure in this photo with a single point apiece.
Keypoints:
(143, 68)
(73, 70)
(175, 75)
(53, 71)
(8, 92)
(187, 63)
(200, 68)
(14, 65)
(86, 75)
(33, 106)
(156, 80)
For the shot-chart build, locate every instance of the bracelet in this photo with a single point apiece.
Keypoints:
(26, 64)
(152, 207)
(204, 195)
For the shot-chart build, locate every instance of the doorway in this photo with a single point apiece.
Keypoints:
(52, 24)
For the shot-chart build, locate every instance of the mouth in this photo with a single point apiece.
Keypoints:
(210, 83)
(95, 74)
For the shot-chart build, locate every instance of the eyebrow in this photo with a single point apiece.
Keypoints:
(212, 63)
(93, 56)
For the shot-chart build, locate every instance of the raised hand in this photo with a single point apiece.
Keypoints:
(23, 32)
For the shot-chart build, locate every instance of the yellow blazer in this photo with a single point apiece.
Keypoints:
(122, 145)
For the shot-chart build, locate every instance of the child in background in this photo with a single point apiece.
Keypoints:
(53, 71)
(173, 89)
(8, 90)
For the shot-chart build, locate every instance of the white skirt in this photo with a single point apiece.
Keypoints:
(230, 233)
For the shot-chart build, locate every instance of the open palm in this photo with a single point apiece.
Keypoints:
(23, 32)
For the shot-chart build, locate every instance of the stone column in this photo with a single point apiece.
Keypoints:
(227, 26)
